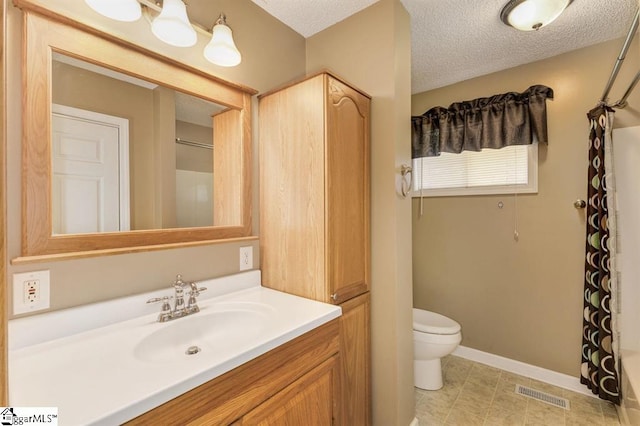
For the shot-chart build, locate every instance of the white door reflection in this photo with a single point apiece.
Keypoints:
(90, 172)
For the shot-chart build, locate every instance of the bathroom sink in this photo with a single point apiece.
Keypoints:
(56, 357)
(213, 332)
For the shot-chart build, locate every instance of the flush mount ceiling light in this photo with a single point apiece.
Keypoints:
(221, 50)
(530, 15)
(171, 25)
(120, 10)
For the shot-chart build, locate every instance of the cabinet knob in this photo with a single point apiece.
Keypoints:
(334, 297)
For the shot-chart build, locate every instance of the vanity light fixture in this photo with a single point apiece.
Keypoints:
(172, 26)
(222, 50)
(120, 10)
(530, 15)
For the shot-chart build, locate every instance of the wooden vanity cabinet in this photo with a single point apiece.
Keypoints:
(314, 189)
(356, 361)
(297, 383)
(307, 401)
(315, 210)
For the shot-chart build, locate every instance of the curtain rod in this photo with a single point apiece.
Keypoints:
(194, 144)
(623, 100)
(616, 67)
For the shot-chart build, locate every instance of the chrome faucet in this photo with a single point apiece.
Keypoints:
(179, 310)
(178, 306)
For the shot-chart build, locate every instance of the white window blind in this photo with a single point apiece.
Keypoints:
(490, 171)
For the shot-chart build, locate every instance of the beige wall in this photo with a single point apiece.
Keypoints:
(521, 300)
(79, 88)
(372, 51)
(193, 158)
(272, 55)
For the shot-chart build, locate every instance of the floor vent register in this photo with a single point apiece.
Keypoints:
(542, 396)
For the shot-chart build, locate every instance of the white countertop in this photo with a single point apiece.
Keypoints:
(95, 377)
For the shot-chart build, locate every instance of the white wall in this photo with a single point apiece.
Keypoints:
(626, 157)
(194, 198)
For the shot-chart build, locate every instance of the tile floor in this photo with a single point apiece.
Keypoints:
(476, 394)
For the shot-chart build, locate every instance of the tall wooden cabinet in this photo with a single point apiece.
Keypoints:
(315, 209)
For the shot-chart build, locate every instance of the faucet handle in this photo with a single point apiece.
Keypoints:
(164, 300)
(195, 290)
(192, 303)
(165, 311)
(159, 299)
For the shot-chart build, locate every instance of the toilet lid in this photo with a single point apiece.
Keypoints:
(431, 322)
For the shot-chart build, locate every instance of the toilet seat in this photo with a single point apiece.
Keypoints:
(433, 323)
(420, 337)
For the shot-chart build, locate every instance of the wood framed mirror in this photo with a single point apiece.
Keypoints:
(49, 46)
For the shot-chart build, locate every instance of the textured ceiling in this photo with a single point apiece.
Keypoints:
(308, 17)
(455, 40)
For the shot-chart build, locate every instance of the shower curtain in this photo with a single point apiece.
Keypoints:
(599, 369)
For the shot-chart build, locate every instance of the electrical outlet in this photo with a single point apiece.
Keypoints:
(246, 258)
(30, 291)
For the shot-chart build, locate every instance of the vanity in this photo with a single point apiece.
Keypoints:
(257, 353)
(261, 354)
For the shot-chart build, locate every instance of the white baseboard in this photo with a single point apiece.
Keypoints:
(542, 374)
(414, 422)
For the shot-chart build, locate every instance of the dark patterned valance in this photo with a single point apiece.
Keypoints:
(494, 122)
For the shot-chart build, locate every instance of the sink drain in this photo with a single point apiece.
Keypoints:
(192, 350)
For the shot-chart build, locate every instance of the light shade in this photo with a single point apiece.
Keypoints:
(221, 50)
(120, 10)
(530, 15)
(172, 25)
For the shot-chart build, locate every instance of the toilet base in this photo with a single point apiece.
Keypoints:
(428, 374)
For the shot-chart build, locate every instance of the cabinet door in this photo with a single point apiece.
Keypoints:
(355, 361)
(312, 400)
(292, 183)
(347, 192)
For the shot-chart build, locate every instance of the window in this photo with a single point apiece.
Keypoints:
(512, 169)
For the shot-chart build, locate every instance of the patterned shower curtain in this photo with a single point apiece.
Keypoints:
(599, 369)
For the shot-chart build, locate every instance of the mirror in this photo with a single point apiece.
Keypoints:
(105, 129)
(124, 148)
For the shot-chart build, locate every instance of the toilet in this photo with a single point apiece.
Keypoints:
(434, 336)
